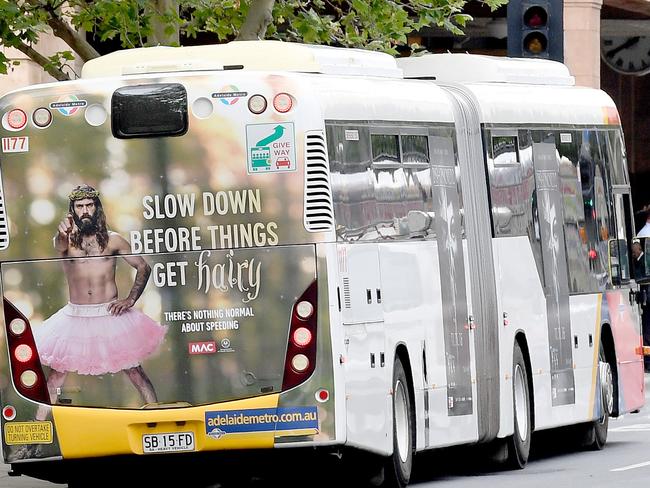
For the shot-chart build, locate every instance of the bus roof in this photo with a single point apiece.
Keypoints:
(249, 55)
(470, 68)
(524, 104)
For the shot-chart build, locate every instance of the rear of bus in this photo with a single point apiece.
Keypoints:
(215, 180)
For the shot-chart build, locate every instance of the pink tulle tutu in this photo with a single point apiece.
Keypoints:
(87, 339)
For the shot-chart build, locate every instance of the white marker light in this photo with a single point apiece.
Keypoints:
(17, 326)
(42, 117)
(257, 104)
(202, 108)
(300, 363)
(28, 378)
(96, 115)
(304, 310)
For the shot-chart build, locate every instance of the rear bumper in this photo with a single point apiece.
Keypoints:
(252, 423)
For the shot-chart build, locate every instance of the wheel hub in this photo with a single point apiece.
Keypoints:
(521, 403)
(606, 386)
(401, 421)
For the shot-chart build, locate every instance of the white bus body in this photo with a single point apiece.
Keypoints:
(465, 217)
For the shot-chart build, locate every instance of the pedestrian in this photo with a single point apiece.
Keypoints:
(638, 262)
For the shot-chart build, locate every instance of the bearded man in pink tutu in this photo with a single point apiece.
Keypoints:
(96, 332)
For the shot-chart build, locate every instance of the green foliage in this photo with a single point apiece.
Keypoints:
(373, 24)
(20, 24)
(58, 60)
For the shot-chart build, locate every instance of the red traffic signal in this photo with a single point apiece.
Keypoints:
(535, 17)
(535, 29)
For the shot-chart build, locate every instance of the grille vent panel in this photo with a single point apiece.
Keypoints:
(319, 213)
(4, 225)
(347, 299)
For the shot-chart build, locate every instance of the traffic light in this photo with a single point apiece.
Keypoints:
(536, 29)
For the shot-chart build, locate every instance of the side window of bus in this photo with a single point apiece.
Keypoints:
(389, 183)
(443, 138)
(509, 202)
(575, 234)
(378, 176)
(604, 195)
(352, 180)
(529, 197)
(616, 154)
(402, 179)
(593, 177)
(415, 160)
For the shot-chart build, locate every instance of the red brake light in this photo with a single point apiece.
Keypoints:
(302, 336)
(23, 353)
(300, 361)
(26, 370)
(282, 102)
(17, 119)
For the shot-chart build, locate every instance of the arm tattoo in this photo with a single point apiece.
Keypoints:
(141, 278)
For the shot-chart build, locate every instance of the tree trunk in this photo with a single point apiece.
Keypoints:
(74, 39)
(62, 28)
(260, 15)
(41, 60)
(159, 37)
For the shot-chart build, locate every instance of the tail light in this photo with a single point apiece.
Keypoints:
(282, 102)
(26, 369)
(17, 119)
(301, 348)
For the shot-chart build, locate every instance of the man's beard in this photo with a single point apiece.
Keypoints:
(87, 224)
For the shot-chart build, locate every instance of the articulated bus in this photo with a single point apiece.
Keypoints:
(217, 250)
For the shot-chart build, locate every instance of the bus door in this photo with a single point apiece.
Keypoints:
(551, 219)
(626, 326)
(366, 383)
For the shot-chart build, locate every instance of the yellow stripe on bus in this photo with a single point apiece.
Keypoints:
(93, 432)
(594, 369)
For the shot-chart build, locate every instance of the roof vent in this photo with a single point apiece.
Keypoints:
(247, 55)
(472, 68)
(319, 214)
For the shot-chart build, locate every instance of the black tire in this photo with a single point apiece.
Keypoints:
(595, 433)
(519, 442)
(398, 467)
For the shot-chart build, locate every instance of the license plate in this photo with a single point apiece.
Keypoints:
(170, 442)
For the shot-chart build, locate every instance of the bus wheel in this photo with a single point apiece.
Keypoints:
(397, 469)
(519, 442)
(595, 435)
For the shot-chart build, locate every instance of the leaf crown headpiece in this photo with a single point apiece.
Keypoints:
(81, 192)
